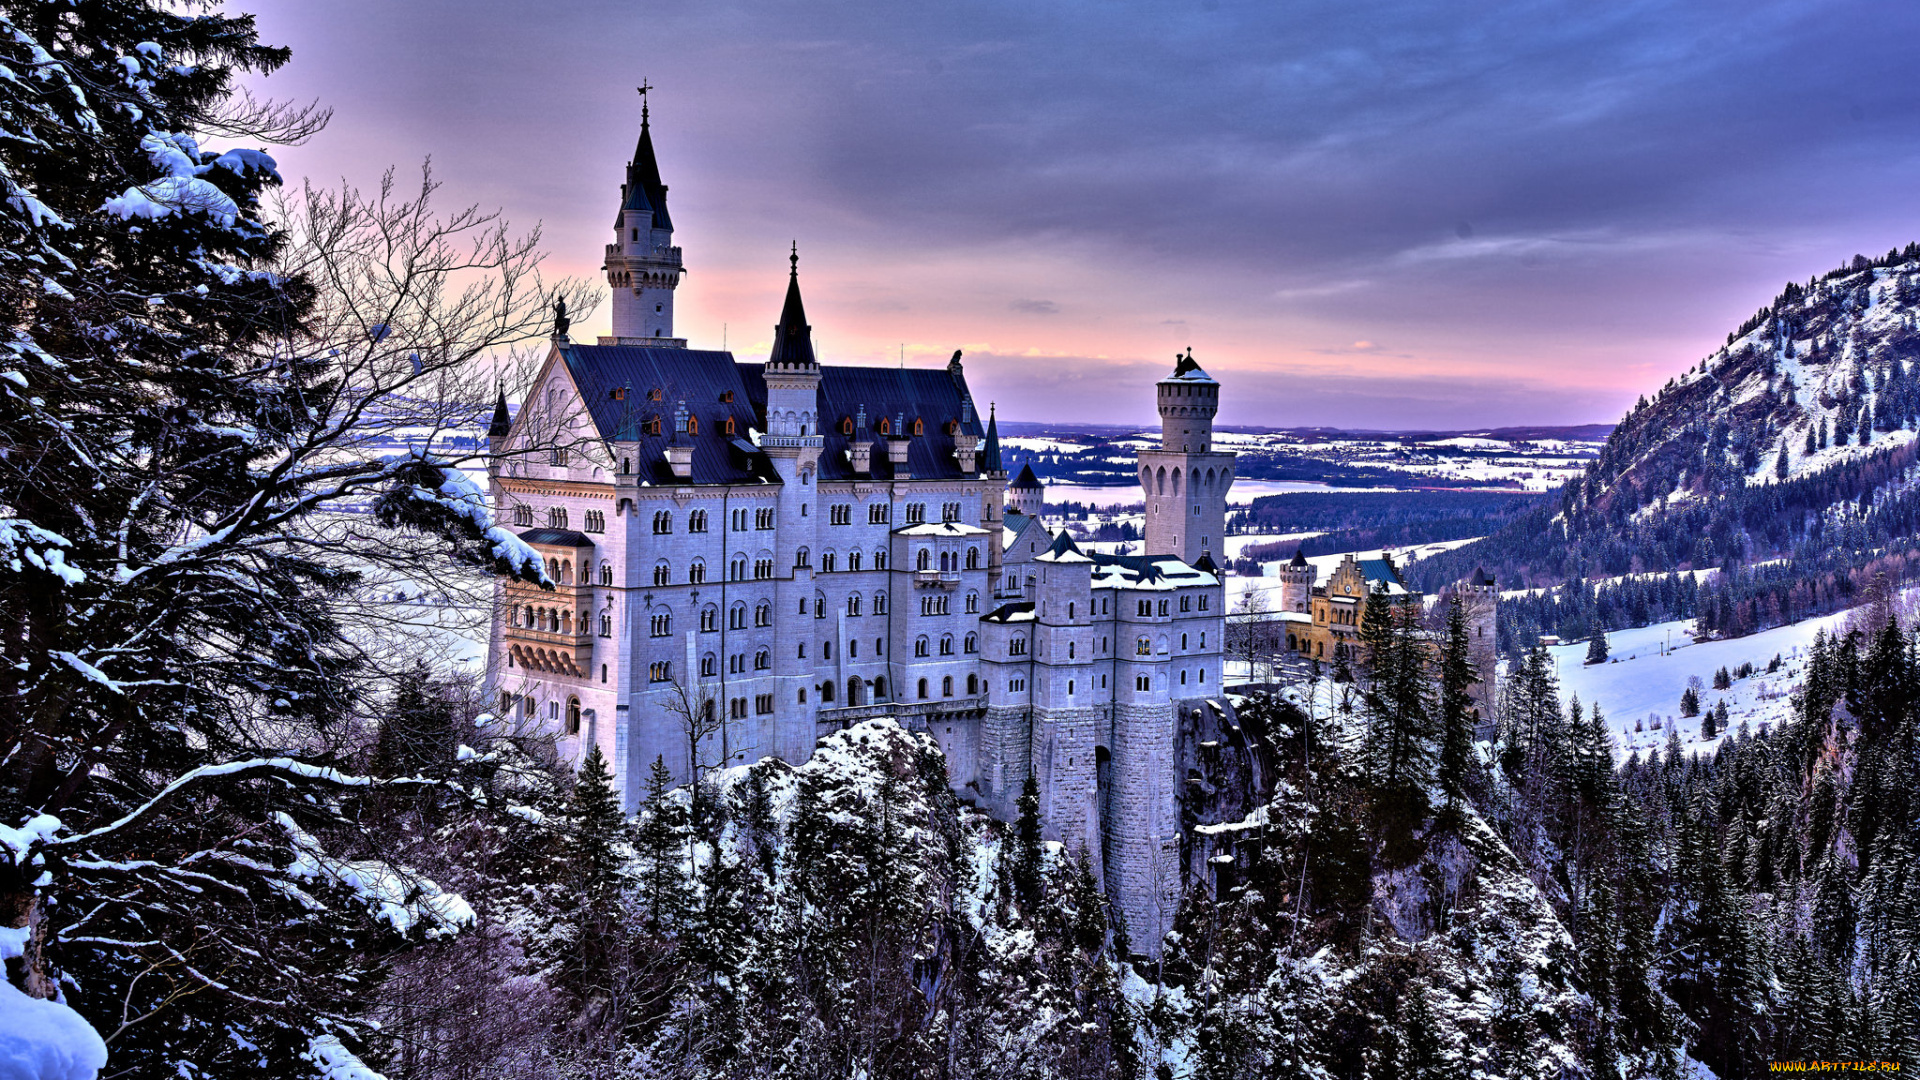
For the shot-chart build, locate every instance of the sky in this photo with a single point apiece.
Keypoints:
(1429, 214)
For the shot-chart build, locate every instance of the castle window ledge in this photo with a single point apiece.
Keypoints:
(523, 591)
(905, 711)
(937, 579)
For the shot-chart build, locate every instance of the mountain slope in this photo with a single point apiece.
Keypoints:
(1793, 445)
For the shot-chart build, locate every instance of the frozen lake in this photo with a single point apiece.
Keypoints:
(1242, 493)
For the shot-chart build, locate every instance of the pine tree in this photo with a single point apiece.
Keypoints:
(1024, 861)
(1597, 648)
(660, 847)
(1781, 463)
(1689, 702)
(596, 846)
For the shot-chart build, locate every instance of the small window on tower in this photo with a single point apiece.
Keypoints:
(846, 425)
(618, 393)
(693, 425)
(886, 426)
(654, 394)
(919, 428)
(657, 308)
(726, 395)
(729, 425)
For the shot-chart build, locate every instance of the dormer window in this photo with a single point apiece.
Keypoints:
(846, 426)
(654, 394)
(730, 426)
(618, 393)
(653, 425)
(919, 428)
(886, 426)
(693, 425)
(726, 396)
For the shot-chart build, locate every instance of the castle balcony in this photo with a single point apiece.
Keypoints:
(937, 579)
(913, 715)
(553, 653)
(799, 441)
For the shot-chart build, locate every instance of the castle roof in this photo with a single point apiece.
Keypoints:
(1382, 573)
(1063, 550)
(1482, 579)
(643, 190)
(1018, 611)
(502, 419)
(557, 538)
(793, 338)
(1156, 572)
(1185, 369)
(990, 454)
(932, 397)
(1026, 481)
(1299, 557)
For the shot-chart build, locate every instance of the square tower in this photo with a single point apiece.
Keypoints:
(1185, 481)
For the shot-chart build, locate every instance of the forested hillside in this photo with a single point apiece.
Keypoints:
(1793, 446)
(1372, 898)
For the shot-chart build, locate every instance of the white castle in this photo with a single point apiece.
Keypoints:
(751, 555)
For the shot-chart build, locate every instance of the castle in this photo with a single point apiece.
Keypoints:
(750, 555)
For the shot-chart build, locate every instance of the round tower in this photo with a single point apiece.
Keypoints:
(1025, 495)
(1188, 398)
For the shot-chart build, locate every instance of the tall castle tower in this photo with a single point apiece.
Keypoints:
(1186, 480)
(643, 267)
(793, 444)
(1025, 495)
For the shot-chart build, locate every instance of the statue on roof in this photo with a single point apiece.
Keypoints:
(560, 321)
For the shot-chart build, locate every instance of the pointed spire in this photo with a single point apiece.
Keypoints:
(793, 338)
(1026, 481)
(990, 454)
(502, 419)
(643, 189)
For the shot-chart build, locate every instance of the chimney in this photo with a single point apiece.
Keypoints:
(860, 449)
(966, 448)
(898, 443)
(680, 448)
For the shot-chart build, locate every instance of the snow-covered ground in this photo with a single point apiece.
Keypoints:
(1648, 669)
(1242, 493)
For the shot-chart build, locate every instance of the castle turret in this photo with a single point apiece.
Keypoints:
(498, 431)
(1186, 481)
(1296, 582)
(1025, 495)
(793, 444)
(643, 267)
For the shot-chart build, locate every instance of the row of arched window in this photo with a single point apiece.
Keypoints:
(922, 645)
(1160, 482)
(949, 560)
(830, 562)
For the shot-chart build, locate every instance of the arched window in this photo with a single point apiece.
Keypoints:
(946, 644)
(880, 688)
(920, 646)
(879, 603)
(1018, 646)
(523, 516)
(923, 689)
(880, 559)
(853, 691)
(737, 570)
(553, 569)
(709, 666)
(970, 644)
(697, 572)
(662, 522)
(973, 685)
(737, 616)
(573, 716)
(662, 624)
(973, 558)
(924, 560)
(826, 562)
(606, 573)
(697, 521)
(853, 604)
(606, 627)
(557, 517)
(762, 660)
(662, 574)
(826, 693)
(946, 686)
(709, 618)
(853, 560)
(973, 604)
(801, 558)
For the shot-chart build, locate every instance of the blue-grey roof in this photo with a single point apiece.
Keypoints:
(1026, 481)
(702, 378)
(557, 538)
(909, 394)
(990, 452)
(1379, 570)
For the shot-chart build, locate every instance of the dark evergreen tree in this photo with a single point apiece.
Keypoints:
(1597, 648)
(1457, 714)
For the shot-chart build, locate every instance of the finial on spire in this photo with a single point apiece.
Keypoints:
(793, 260)
(643, 88)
